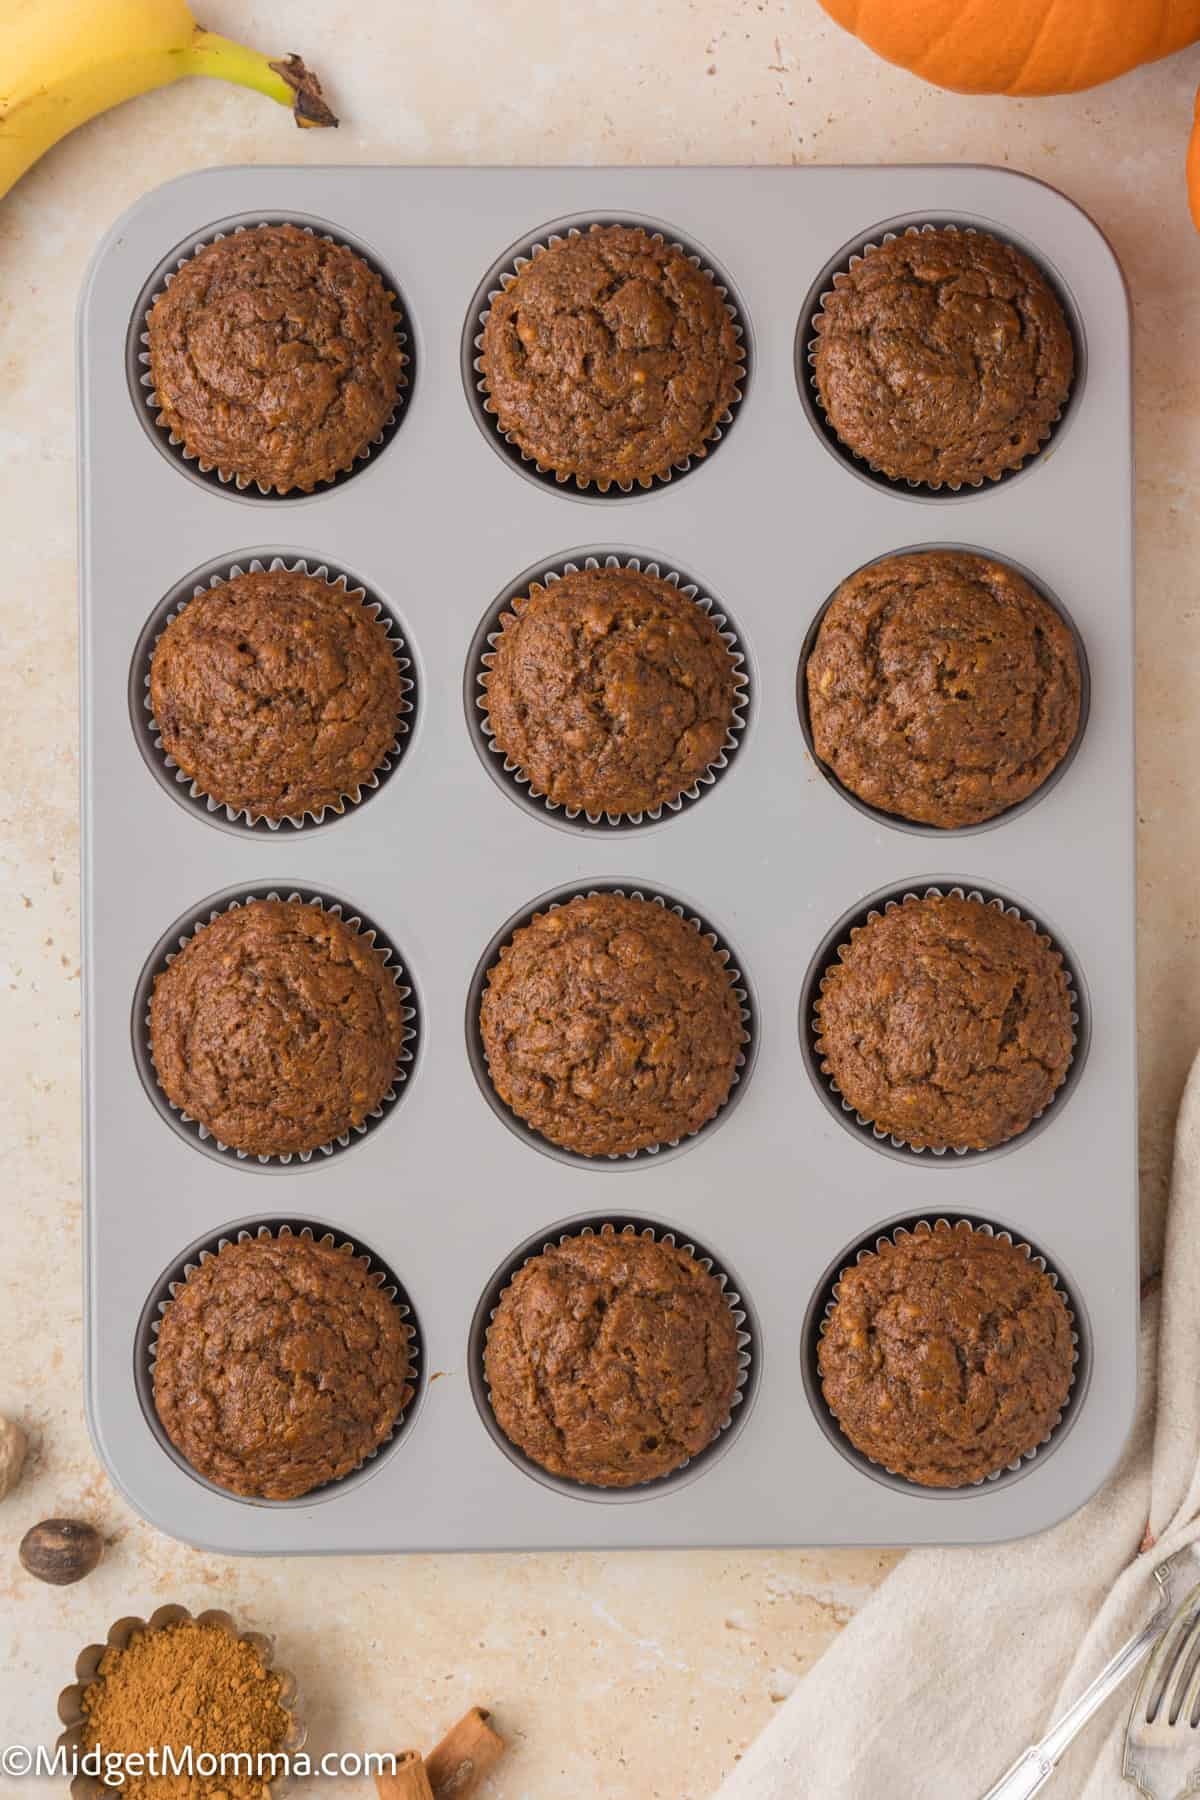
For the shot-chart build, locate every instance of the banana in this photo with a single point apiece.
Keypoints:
(64, 61)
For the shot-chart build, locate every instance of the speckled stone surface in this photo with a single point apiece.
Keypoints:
(689, 1651)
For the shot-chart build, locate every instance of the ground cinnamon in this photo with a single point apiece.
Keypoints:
(187, 1684)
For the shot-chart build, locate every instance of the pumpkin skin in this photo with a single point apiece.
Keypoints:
(1019, 46)
(1193, 166)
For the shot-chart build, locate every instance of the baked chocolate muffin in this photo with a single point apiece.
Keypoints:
(277, 1026)
(275, 357)
(277, 693)
(612, 1359)
(280, 1365)
(610, 357)
(946, 1023)
(943, 357)
(610, 1025)
(947, 1355)
(611, 690)
(942, 687)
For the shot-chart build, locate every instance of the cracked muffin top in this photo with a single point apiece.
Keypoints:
(942, 687)
(611, 690)
(942, 357)
(280, 1365)
(276, 693)
(947, 1355)
(610, 357)
(946, 1023)
(277, 1026)
(612, 1359)
(610, 1025)
(275, 357)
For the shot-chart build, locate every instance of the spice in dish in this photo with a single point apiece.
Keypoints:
(947, 1355)
(278, 1027)
(610, 690)
(277, 693)
(942, 357)
(275, 357)
(946, 1022)
(612, 1359)
(611, 357)
(281, 1364)
(942, 687)
(611, 1025)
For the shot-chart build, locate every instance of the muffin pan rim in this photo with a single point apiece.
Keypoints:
(750, 1348)
(512, 780)
(220, 570)
(897, 821)
(626, 888)
(903, 225)
(780, 1185)
(256, 1225)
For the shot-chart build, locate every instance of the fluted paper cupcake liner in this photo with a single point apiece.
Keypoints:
(87, 1664)
(175, 447)
(941, 1223)
(622, 1226)
(830, 959)
(481, 311)
(181, 935)
(616, 1159)
(194, 1259)
(948, 488)
(516, 781)
(186, 788)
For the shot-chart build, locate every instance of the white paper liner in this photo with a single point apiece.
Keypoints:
(930, 487)
(338, 580)
(939, 1223)
(87, 1663)
(745, 1343)
(381, 1277)
(651, 815)
(387, 956)
(741, 994)
(587, 484)
(242, 483)
(1001, 905)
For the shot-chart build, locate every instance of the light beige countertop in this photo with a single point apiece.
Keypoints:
(627, 1677)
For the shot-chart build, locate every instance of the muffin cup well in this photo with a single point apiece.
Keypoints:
(625, 1224)
(87, 1664)
(807, 341)
(505, 272)
(180, 935)
(897, 821)
(829, 953)
(142, 383)
(510, 776)
(163, 1292)
(627, 1159)
(820, 1310)
(163, 766)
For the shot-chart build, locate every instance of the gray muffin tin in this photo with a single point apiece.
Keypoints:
(783, 1186)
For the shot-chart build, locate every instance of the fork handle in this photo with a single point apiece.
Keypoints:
(1034, 1767)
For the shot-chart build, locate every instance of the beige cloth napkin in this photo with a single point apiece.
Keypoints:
(963, 1657)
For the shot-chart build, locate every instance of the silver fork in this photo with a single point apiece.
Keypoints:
(1162, 1744)
(1034, 1767)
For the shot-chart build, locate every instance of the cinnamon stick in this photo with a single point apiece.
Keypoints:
(465, 1758)
(409, 1782)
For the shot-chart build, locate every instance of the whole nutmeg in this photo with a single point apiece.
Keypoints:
(12, 1454)
(61, 1551)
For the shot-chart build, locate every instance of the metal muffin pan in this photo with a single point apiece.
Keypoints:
(436, 524)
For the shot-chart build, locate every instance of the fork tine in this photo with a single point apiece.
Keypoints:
(1164, 1660)
(1187, 1683)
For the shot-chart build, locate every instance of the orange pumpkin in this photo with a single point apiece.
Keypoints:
(1020, 46)
(1193, 166)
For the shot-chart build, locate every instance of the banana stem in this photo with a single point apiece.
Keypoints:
(285, 80)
